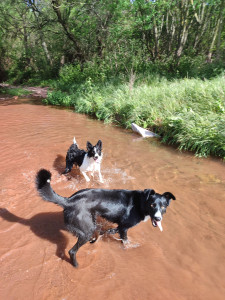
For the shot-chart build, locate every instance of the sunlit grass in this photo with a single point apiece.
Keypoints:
(187, 112)
(14, 91)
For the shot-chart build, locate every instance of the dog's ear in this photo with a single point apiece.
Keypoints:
(89, 146)
(148, 193)
(168, 197)
(99, 144)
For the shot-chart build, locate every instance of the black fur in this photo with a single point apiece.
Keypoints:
(126, 208)
(43, 175)
(74, 156)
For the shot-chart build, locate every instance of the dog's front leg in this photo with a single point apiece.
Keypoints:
(99, 173)
(69, 166)
(123, 235)
(122, 232)
(126, 243)
(85, 176)
(100, 176)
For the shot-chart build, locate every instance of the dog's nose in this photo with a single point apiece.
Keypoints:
(158, 219)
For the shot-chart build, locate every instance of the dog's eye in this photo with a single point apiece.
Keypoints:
(153, 205)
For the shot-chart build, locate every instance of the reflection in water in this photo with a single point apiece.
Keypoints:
(183, 262)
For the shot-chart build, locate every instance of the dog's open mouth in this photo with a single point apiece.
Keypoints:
(157, 224)
(96, 159)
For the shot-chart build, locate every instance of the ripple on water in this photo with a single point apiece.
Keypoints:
(183, 262)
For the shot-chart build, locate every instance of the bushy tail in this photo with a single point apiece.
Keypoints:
(74, 141)
(45, 190)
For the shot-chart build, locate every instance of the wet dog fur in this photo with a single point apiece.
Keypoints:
(87, 161)
(126, 208)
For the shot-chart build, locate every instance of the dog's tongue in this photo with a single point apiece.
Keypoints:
(159, 225)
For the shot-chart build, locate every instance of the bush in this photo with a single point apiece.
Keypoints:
(58, 98)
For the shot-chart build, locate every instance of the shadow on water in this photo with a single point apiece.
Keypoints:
(47, 226)
(59, 165)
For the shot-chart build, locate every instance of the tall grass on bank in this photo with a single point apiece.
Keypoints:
(187, 112)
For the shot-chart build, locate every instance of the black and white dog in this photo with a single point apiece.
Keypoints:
(126, 208)
(88, 161)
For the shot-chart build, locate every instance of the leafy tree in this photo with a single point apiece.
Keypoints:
(40, 36)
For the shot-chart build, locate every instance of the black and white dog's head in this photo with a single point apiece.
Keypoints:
(157, 206)
(95, 152)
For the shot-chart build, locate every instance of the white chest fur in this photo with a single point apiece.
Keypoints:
(146, 218)
(89, 165)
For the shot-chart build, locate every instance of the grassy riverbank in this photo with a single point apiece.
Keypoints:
(13, 91)
(189, 113)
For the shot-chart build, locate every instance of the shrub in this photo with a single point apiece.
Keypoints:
(58, 98)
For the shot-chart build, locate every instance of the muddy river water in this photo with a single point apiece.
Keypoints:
(185, 261)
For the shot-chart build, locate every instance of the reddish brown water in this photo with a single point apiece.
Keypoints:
(185, 261)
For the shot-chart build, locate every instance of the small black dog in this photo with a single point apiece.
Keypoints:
(123, 207)
(88, 161)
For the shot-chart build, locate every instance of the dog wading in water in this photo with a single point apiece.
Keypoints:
(126, 208)
(87, 161)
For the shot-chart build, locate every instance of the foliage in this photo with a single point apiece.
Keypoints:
(58, 98)
(186, 112)
(14, 91)
(194, 132)
(37, 38)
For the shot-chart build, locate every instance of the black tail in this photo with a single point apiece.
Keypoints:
(45, 190)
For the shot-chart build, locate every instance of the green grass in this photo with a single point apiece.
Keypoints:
(189, 113)
(14, 91)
